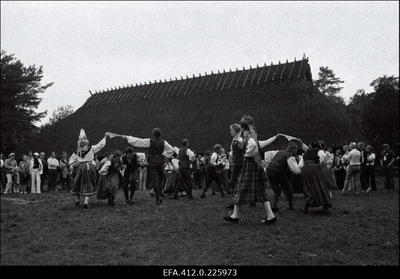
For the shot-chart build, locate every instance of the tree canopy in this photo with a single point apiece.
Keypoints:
(328, 84)
(20, 87)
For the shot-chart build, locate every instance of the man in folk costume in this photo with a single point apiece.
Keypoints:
(283, 161)
(157, 149)
(251, 183)
(185, 156)
(85, 177)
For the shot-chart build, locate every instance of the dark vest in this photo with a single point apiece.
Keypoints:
(311, 155)
(279, 163)
(184, 162)
(132, 166)
(237, 154)
(363, 158)
(156, 150)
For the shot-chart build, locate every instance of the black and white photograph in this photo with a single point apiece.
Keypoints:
(199, 138)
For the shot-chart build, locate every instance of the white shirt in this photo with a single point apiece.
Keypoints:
(144, 143)
(53, 163)
(371, 159)
(292, 163)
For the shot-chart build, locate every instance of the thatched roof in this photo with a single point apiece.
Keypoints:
(281, 98)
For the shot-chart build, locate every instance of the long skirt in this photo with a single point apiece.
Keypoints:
(108, 185)
(250, 186)
(316, 190)
(85, 180)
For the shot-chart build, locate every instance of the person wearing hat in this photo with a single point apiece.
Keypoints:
(35, 169)
(387, 160)
(110, 178)
(158, 149)
(85, 177)
(250, 187)
(12, 174)
(282, 162)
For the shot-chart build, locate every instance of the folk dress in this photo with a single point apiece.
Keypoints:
(250, 186)
(85, 177)
(110, 180)
(316, 186)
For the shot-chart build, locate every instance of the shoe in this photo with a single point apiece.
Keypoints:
(151, 194)
(369, 189)
(85, 206)
(77, 203)
(230, 219)
(269, 222)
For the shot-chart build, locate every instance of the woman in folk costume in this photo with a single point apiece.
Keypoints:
(85, 177)
(110, 178)
(316, 184)
(250, 187)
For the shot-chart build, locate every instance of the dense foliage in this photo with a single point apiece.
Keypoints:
(20, 87)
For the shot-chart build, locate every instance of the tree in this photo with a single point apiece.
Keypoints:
(20, 87)
(59, 114)
(328, 84)
(376, 114)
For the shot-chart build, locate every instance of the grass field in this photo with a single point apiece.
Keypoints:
(48, 229)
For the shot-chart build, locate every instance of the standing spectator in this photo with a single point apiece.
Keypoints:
(24, 176)
(30, 157)
(142, 170)
(354, 158)
(157, 149)
(198, 171)
(45, 171)
(363, 167)
(53, 164)
(12, 174)
(66, 178)
(172, 174)
(250, 187)
(387, 160)
(346, 168)
(370, 169)
(35, 169)
(185, 156)
(2, 173)
(340, 172)
(131, 176)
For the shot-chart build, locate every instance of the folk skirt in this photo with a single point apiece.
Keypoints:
(316, 187)
(85, 180)
(108, 185)
(250, 187)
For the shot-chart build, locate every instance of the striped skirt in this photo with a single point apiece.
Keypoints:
(250, 186)
(85, 180)
(316, 186)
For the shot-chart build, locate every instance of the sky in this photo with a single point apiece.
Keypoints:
(94, 45)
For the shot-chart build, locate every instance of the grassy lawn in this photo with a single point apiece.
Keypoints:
(48, 229)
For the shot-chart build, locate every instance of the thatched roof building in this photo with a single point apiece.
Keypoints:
(280, 97)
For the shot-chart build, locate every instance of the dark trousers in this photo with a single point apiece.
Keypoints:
(212, 175)
(364, 177)
(52, 179)
(156, 173)
(185, 180)
(371, 177)
(198, 178)
(279, 182)
(389, 181)
(129, 183)
(340, 176)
